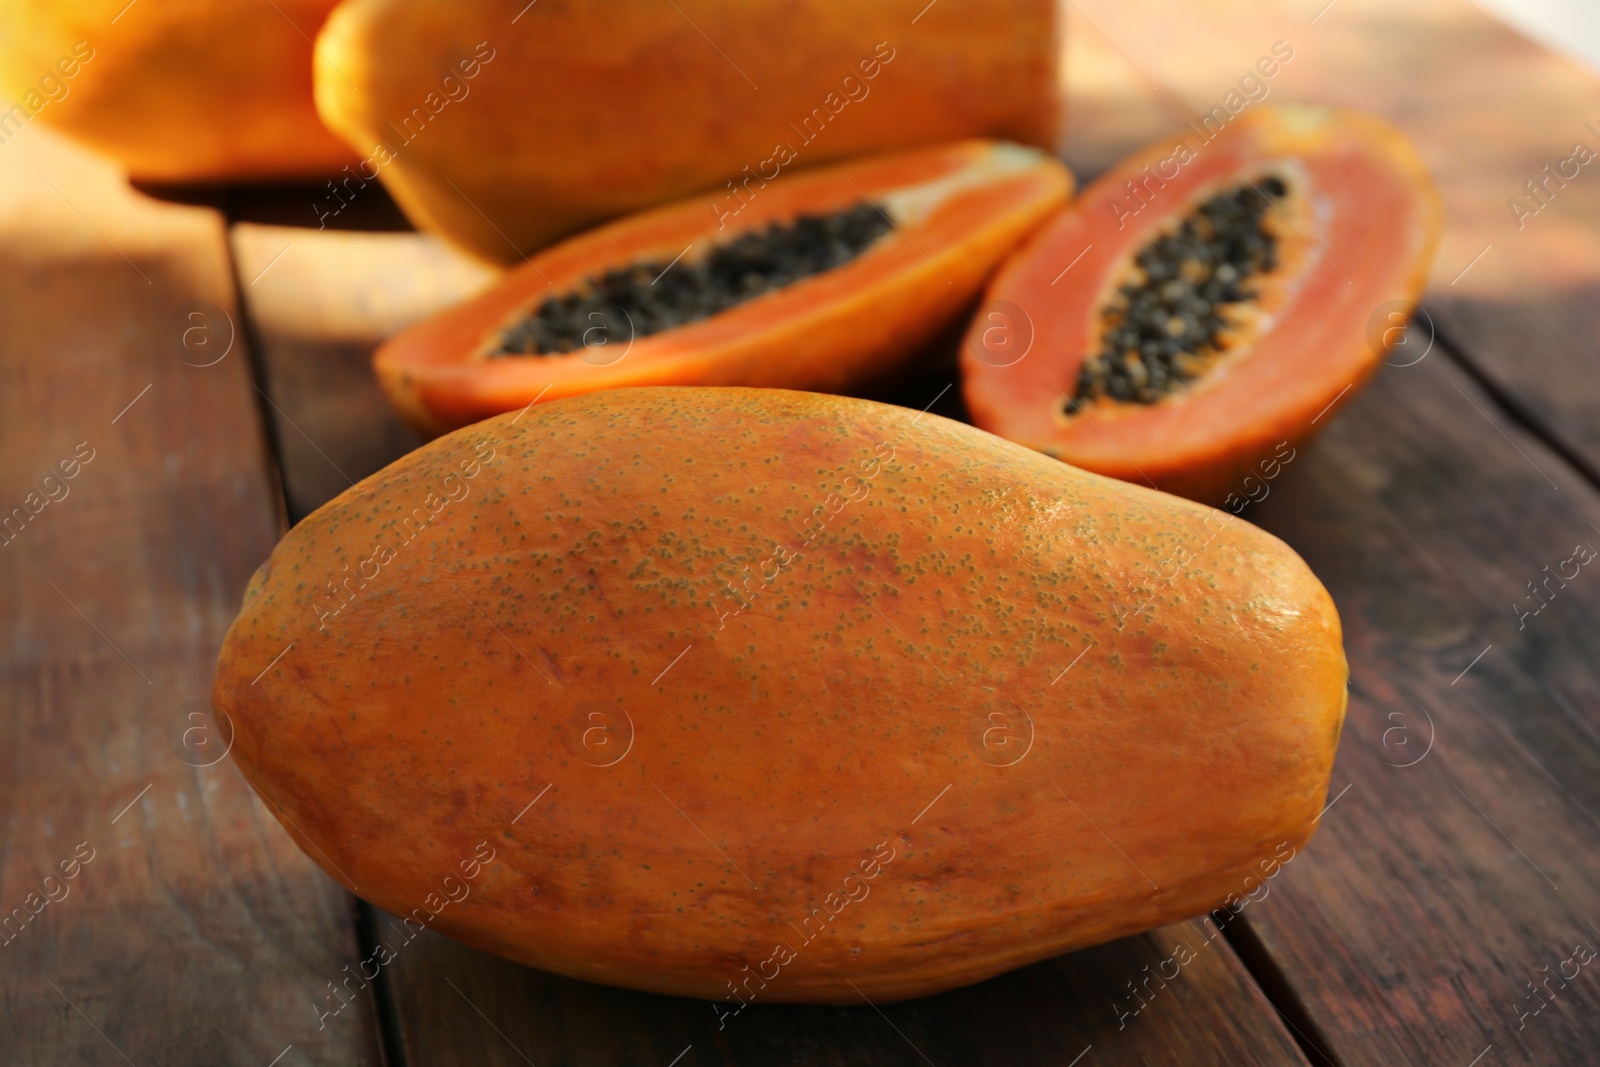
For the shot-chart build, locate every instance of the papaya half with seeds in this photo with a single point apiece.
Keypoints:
(590, 109)
(756, 694)
(180, 90)
(1205, 305)
(827, 280)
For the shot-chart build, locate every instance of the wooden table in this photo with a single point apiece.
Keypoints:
(200, 367)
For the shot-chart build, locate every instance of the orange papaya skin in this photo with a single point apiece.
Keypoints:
(583, 111)
(666, 687)
(956, 211)
(1355, 240)
(180, 90)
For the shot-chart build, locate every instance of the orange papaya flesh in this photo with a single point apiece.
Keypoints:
(934, 222)
(1207, 304)
(503, 126)
(184, 90)
(862, 700)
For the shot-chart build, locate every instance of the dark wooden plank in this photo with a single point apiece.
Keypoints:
(454, 1001)
(189, 928)
(320, 302)
(1441, 885)
(1450, 877)
(456, 1004)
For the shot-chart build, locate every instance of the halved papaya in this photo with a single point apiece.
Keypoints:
(1208, 302)
(824, 280)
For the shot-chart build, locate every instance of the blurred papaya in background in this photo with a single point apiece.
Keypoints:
(504, 124)
(175, 90)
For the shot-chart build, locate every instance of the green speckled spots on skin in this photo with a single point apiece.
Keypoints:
(798, 666)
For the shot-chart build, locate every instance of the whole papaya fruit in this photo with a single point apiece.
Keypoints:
(753, 694)
(180, 90)
(1203, 334)
(503, 124)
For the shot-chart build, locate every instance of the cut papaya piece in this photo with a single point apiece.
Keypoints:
(585, 110)
(793, 670)
(825, 280)
(197, 90)
(1205, 305)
